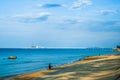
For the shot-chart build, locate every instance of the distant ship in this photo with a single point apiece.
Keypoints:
(35, 47)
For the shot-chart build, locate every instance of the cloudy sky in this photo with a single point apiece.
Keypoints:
(59, 23)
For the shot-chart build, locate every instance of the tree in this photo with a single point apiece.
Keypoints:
(118, 46)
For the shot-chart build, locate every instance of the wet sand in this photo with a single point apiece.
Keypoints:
(105, 67)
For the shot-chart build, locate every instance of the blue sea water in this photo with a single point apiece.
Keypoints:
(30, 60)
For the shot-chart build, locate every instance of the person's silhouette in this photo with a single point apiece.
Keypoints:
(50, 67)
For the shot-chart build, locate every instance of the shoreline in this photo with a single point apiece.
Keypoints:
(76, 70)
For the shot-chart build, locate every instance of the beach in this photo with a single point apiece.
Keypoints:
(105, 67)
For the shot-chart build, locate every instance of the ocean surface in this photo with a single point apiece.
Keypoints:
(31, 60)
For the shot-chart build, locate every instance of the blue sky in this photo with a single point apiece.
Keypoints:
(59, 23)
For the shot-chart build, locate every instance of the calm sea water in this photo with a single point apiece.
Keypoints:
(30, 60)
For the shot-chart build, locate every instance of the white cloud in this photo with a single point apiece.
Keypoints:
(107, 12)
(73, 21)
(81, 3)
(32, 15)
(33, 18)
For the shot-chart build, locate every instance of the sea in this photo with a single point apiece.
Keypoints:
(31, 60)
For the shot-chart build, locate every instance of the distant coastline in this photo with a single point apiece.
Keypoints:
(56, 48)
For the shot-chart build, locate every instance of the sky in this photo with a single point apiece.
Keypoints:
(59, 23)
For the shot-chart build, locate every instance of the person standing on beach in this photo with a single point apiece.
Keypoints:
(50, 67)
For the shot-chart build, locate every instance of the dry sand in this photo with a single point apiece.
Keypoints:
(91, 68)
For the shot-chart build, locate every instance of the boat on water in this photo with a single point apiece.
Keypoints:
(35, 47)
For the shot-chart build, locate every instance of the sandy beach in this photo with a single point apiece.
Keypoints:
(105, 67)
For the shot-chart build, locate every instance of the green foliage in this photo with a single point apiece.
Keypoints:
(118, 46)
